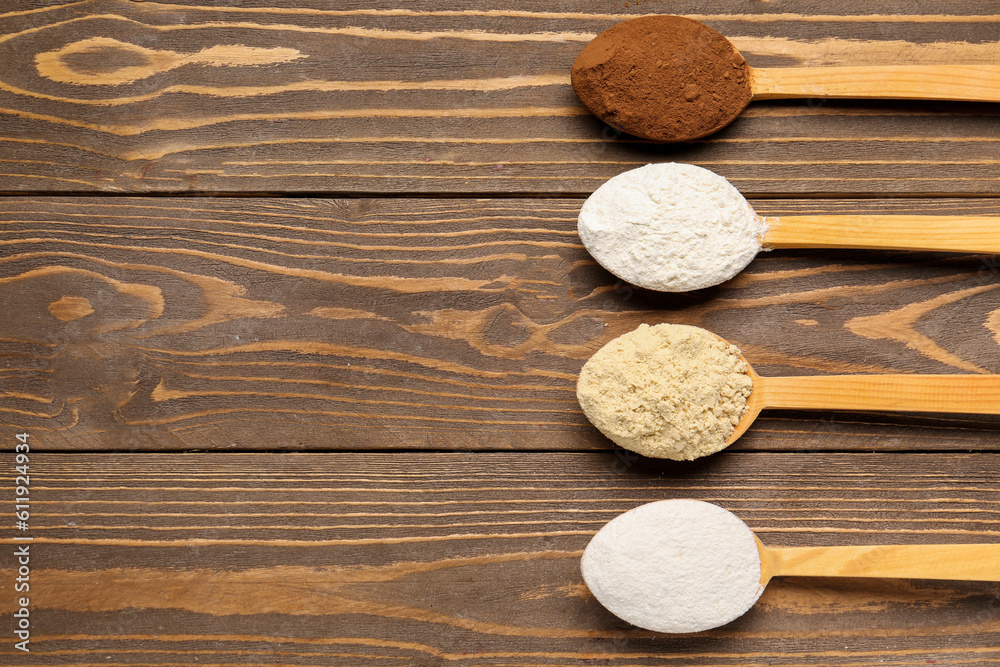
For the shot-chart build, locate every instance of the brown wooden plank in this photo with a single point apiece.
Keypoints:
(472, 559)
(451, 97)
(283, 324)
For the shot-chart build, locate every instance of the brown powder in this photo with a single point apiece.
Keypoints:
(665, 78)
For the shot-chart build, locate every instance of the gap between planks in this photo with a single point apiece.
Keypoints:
(59, 194)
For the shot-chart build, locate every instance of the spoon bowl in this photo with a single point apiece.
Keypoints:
(755, 403)
(693, 81)
(688, 565)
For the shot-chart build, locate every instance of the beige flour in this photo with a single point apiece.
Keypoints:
(667, 391)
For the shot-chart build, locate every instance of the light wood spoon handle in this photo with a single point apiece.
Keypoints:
(969, 394)
(941, 233)
(974, 83)
(959, 562)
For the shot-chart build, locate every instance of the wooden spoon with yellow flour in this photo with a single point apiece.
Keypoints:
(680, 392)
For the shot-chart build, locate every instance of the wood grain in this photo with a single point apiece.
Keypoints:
(452, 97)
(339, 326)
(472, 559)
(355, 324)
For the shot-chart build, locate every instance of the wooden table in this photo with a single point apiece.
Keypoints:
(293, 307)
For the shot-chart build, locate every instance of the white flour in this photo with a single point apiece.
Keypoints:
(674, 566)
(670, 227)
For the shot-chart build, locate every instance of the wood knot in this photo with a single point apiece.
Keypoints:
(111, 62)
(70, 308)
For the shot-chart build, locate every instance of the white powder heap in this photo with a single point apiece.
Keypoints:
(674, 566)
(668, 391)
(670, 227)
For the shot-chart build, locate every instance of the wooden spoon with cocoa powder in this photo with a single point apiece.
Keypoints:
(670, 78)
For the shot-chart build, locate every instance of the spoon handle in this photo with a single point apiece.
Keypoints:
(941, 233)
(969, 394)
(974, 83)
(966, 562)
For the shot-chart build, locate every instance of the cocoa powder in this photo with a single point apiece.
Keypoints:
(666, 78)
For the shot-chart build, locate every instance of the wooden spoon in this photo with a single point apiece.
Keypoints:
(669, 391)
(966, 394)
(647, 209)
(616, 70)
(688, 566)
(955, 562)
(934, 233)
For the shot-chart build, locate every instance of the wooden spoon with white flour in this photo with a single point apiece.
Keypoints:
(688, 566)
(677, 227)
